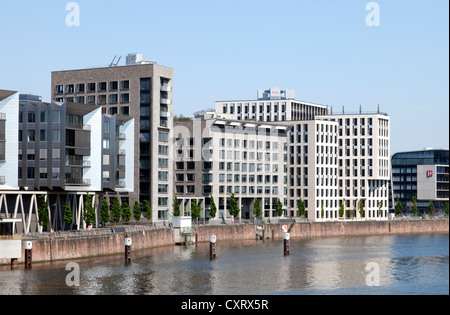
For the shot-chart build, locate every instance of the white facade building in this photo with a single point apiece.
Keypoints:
(272, 105)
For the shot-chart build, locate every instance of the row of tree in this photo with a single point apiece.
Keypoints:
(233, 208)
(413, 207)
(114, 212)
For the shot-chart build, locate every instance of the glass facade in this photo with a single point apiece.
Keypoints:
(404, 175)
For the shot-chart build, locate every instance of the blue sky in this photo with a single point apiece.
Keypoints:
(222, 50)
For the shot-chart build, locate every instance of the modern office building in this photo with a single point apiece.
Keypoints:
(271, 105)
(217, 157)
(312, 169)
(423, 174)
(141, 90)
(363, 143)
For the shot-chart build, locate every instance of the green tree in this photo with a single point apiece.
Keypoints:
(213, 207)
(43, 212)
(137, 213)
(301, 208)
(279, 208)
(379, 208)
(257, 210)
(126, 212)
(322, 211)
(147, 209)
(104, 211)
(68, 217)
(89, 212)
(116, 211)
(341, 210)
(176, 207)
(414, 201)
(431, 207)
(446, 208)
(196, 209)
(361, 208)
(398, 207)
(233, 208)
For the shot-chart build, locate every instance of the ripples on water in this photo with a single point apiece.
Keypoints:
(409, 264)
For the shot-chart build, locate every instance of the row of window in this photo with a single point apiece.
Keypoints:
(92, 87)
(238, 108)
(246, 144)
(249, 190)
(43, 135)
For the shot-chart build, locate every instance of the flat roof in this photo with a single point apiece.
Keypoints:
(280, 100)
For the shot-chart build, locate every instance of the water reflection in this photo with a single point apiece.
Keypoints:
(408, 264)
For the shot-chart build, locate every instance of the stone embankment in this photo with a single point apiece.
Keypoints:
(111, 242)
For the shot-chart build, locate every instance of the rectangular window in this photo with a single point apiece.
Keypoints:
(163, 136)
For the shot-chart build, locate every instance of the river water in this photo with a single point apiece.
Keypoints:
(396, 264)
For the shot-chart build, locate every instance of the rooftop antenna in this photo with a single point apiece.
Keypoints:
(114, 63)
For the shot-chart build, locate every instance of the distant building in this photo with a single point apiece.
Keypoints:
(272, 105)
(423, 174)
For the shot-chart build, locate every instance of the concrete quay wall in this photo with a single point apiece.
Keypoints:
(72, 248)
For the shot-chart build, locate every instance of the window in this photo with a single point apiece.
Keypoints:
(125, 85)
(31, 117)
(43, 135)
(56, 116)
(91, 99)
(163, 175)
(59, 89)
(125, 110)
(102, 87)
(164, 163)
(163, 201)
(113, 98)
(125, 98)
(163, 136)
(30, 136)
(113, 85)
(101, 99)
(105, 143)
(163, 150)
(163, 188)
(91, 87)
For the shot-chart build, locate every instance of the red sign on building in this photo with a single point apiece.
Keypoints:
(429, 173)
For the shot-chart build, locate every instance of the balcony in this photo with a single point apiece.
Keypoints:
(78, 182)
(77, 161)
(72, 125)
(166, 101)
(166, 88)
(165, 114)
(121, 136)
(121, 184)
